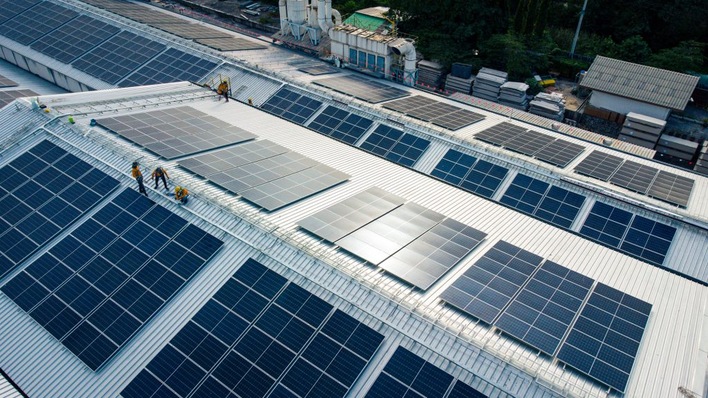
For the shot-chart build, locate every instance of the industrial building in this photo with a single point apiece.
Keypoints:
(344, 237)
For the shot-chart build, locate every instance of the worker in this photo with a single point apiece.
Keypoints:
(138, 175)
(223, 89)
(160, 173)
(181, 195)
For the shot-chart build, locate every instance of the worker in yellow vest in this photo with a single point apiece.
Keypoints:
(181, 195)
(138, 175)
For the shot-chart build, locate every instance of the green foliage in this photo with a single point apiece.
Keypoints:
(507, 52)
(534, 86)
(633, 49)
(686, 56)
(568, 68)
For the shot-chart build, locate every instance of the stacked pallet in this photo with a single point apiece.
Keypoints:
(702, 163)
(488, 83)
(430, 74)
(641, 129)
(551, 106)
(456, 84)
(513, 94)
(677, 147)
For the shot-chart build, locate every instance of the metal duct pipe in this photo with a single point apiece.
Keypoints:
(328, 12)
(337, 17)
(283, 17)
(322, 17)
(406, 47)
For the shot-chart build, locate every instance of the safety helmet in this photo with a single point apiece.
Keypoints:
(178, 188)
(135, 164)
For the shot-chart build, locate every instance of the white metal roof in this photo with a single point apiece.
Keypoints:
(671, 356)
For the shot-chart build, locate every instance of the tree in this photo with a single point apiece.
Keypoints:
(507, 52)
(687, 56)
(633, 49)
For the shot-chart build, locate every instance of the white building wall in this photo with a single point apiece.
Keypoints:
(625, 105)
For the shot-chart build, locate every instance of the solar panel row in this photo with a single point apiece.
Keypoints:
(407, 375)
(362, 88)
(637, 177)
(395, 145)
(436, 112)
(291, 105)
(36, 22)
(260, 336)
(340, 125)
(538, 302)
(469, 173)
(43, 191)
(99, 285)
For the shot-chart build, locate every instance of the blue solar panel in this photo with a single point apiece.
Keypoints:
(36, 22)
(97, 287)
(605, 338)
(408, 375)
(484, 178)
(118, 56)
(395, 145)
(340, 124)
(43, 191)
(556, 205)
(260, 336)
(485, 289)
(171, 66)
(544, 309)
(291, 105)
(70, 41)
(453, 167)
(10, 8)
(606, 224)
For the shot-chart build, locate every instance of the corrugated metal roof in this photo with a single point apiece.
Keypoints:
(640, 82)
(7, 390)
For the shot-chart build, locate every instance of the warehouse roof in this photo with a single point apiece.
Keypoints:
(640, 82)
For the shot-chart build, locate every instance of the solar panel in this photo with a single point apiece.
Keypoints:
(599, 165)
(99, 285)
(604, 340)
(70, 41)
(671, 188)
(484, 178)
(384, 236)
(426, 259)
(36, 22)
(408, 375)
(395, 145)
(230, 43)
(260, 336)
(42, 192)
(10, 8)
(529, 142)
(175, 132)
(291, 105)
(147, 15)
(648, 240)
(500, 134)
(7, 96)
(262, 171)
(363, 88)
(341, 125)
(453, 167)
(6, 82)
(317, 70)
(634, 176)
(230, 158)
(436, 112)
(343, 218)
(171, 66)
(118, 56)
(606, 224)
(544, 309)
(556, 205)
(486, 288)
(191, 31)
(559, 152)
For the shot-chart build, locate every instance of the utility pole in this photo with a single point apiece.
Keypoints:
(577, 30)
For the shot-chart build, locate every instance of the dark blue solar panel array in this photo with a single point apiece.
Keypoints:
(644, 238)
(340, 125)
(171, 66)
(556, 205)
(544, 309)
(10, 8)
(260, 336)
(465, 171)
(41, 192)
(98, 286)
(605, 338)
(36, 22)
(410, 376)
(291, 105)
(118, 56)
(395, 145)
(71, 40)
(487, 287)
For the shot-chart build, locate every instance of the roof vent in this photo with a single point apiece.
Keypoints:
(607, 141)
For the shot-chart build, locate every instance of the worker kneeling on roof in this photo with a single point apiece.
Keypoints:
(181, 195)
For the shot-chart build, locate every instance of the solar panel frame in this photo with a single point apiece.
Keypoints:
(486, 288)
(606, 336)
(70, 40)
(426, 259)
(545, 307)
(671, 188)
(18, 7)
(36, 22)
(362, 88)
(484, 178)
(647, 239)
(634, 176)
(340, 124)
(395, 145)
(454, 166)
(559, 153)
(379, 239)
(345, 217)
(599, 165)
(499, 134)
(91, 291)
(291, 105)
(529, 142)
(226, 159)
(439, 113)
(170, 66)
(606, 224)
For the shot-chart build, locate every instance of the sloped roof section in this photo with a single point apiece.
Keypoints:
(368, 18)
(639, 82)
